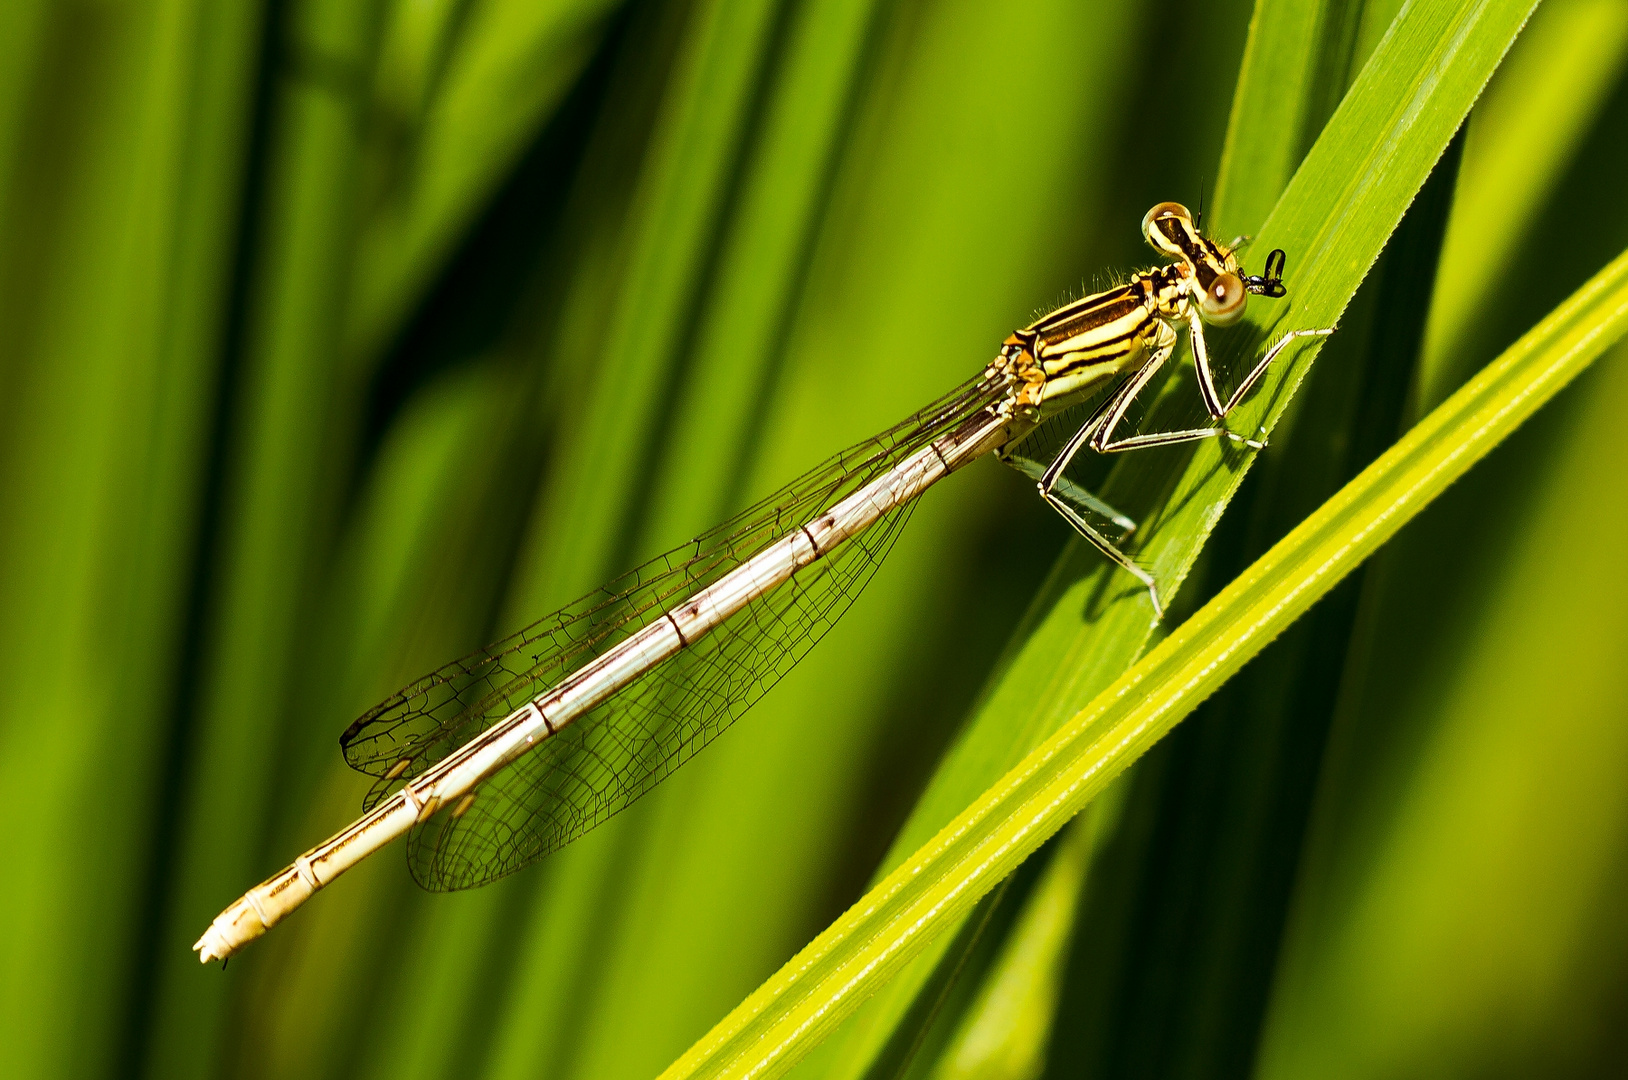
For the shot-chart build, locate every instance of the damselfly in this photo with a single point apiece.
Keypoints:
(533, 741)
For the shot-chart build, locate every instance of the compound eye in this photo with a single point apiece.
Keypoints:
(1223, 301)
(1164, 223)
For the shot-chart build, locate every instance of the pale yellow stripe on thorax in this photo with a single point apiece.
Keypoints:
(1077, 364)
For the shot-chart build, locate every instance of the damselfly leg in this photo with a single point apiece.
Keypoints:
(1074, 502)
(1082, 509)
(1104, 443)
(1130, 333)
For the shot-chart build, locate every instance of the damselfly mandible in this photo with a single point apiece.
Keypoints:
(531, 742)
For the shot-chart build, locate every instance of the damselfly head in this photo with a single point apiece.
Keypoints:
(1211, 270)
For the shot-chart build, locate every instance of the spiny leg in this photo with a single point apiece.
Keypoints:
(1068, 499)
(1102, 438)
(1112, 411)
(1278, 346)
(1066, 489)
(1099, 431)
(1105, 443)
(1106, 546)
(1201, 365)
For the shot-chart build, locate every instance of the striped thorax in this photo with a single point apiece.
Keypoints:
(1072, 351)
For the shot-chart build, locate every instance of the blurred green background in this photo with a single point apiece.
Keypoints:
(339, 338)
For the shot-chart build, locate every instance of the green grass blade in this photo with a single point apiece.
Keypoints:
(287, 426)
(1532, 123)
(459, 91)
(123, 133)
(1468, 819)
(1298, 64)
(994, 834)
(1459, 899)
(1005, 1032)
(1347, 196)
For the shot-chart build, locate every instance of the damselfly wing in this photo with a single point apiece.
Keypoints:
(585, 773)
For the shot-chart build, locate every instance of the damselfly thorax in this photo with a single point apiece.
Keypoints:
(1127, 333)
(1069, 353)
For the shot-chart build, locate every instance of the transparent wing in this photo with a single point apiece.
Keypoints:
(601, 764)
(423, 723)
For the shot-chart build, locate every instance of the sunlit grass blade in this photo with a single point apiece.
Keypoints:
(1298, 64)
(1006, 1029)
(1345, 199)
(1468, 803)
(996, 832)
(1470, 825)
